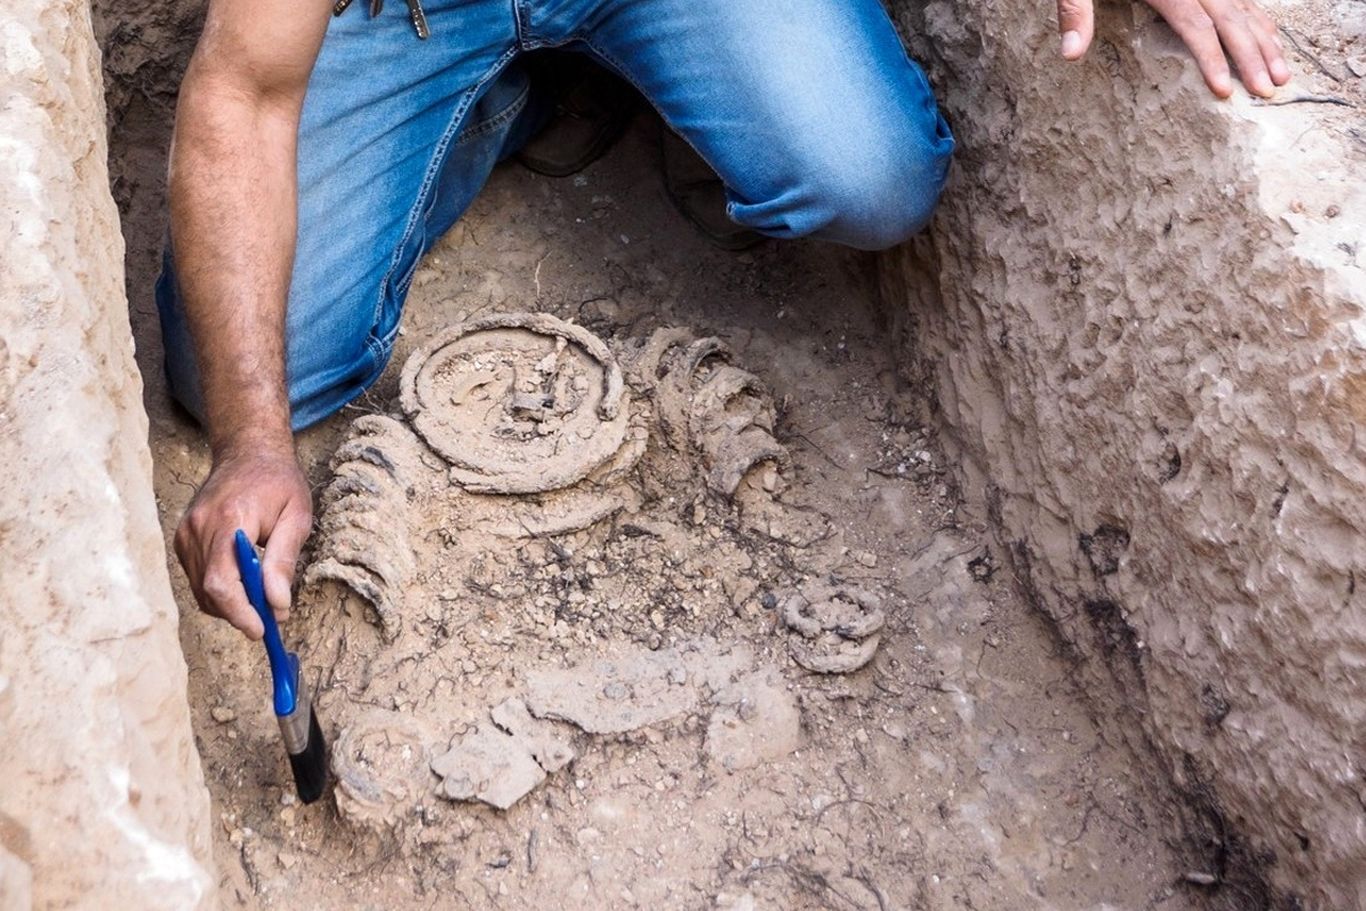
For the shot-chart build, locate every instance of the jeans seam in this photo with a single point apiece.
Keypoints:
(487, 126)
(429, 178)
(521, 19)
(375, 346)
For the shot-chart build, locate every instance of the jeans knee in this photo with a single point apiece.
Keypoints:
(882, 199)
(871, 196)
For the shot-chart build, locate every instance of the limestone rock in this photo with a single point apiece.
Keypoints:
(103, 798)
(550, 750)
(633, 687)
(487, 765)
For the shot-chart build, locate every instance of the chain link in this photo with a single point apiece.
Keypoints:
(416, 14)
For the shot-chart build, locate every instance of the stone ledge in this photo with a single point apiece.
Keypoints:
(104, 805)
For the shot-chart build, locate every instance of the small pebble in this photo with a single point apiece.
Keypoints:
(222, 714)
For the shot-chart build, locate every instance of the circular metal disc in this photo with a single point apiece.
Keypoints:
(516, 403)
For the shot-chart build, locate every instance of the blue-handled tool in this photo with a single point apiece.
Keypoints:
(293, 709)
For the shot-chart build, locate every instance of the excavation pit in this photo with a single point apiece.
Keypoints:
(1187, 403)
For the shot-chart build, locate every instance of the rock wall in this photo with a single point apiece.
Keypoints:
(146, 46)
(1142, 311)
(103, 803)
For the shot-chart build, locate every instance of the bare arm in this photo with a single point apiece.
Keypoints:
(1209, 28)
(233, 211)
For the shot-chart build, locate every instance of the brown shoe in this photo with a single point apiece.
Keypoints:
(592, 109)
(699, 194)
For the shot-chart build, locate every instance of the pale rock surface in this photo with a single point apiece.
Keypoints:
(103, 802)
(633, 687)
(1142, 312)
(488, 765)
(756, 720)
(551, 750)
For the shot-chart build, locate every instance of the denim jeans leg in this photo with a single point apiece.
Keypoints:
(397, 136)
(810, 110)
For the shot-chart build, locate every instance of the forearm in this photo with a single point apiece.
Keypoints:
(232, 187)
(233, 207)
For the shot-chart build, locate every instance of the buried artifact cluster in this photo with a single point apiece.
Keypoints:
(521, 434)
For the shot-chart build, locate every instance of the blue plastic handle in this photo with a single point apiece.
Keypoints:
(284, 666)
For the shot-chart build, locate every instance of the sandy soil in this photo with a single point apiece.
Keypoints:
(958, 769)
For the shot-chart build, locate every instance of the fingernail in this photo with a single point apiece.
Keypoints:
(1071, 44)
(1280, 73)
(1262, 85)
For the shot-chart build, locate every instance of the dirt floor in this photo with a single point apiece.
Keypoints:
(640, 686)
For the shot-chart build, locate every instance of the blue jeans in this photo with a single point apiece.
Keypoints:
(809, 110)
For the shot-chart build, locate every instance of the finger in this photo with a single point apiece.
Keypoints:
(223, 589)
(188, 555)
(1270, 43)
(1235, 30)
(1196, 29)
(190, 552)
(1077, 23)
(282, 555)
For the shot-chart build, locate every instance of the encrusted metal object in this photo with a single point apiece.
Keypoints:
(363, 524)
(381, 762)
(520, 425)
(708, 407)
(516, 403)
(836, 627)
